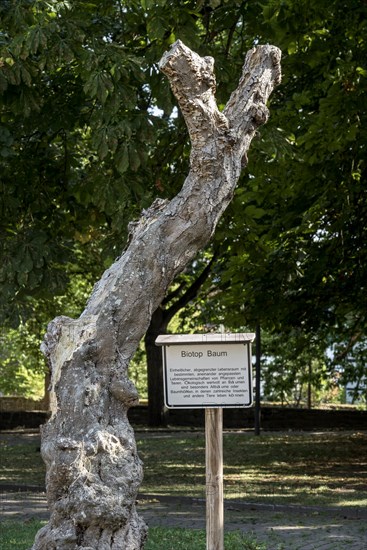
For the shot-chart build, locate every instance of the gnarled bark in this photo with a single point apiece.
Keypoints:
(93, 470)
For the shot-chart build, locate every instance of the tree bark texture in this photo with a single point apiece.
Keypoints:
(88, 445)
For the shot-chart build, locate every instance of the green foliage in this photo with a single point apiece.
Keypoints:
(88, 139)
(350, 357)
(306, 251)
(293, 241)
(82, 147)
(21, 363)
(75, 125)
(293, 365)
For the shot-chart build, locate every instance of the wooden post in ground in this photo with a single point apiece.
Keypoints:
(214, 479)
(258, 381)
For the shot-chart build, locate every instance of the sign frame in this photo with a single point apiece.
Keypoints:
(215, 344)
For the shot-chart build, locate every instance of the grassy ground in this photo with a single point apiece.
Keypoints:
(20, 537)
(21, 464)
(328, 469)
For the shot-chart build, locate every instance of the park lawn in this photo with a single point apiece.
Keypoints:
(20, 536)
(21, 464)
(308, 469)
(325, 469)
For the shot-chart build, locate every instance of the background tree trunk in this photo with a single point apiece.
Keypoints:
(93, 470)
(160, 320)
(158, 325)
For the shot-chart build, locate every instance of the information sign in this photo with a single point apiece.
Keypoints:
(207, 371)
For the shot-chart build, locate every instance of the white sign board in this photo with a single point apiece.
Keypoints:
(207, 374)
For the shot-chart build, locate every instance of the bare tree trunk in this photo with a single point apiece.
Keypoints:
(93, 470)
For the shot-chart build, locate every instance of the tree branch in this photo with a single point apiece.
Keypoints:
(191, 292)
(193, 82)
(246, 109)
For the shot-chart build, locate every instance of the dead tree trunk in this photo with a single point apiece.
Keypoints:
(93, 470)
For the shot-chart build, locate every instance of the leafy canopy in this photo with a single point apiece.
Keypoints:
(87, 139)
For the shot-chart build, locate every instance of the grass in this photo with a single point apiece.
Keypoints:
(15, 536)
(189, 539)
(328, 469)
(21, 464)
(18, 536)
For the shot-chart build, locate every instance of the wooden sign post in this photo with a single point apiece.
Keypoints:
(214, 479)
(209, 371)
